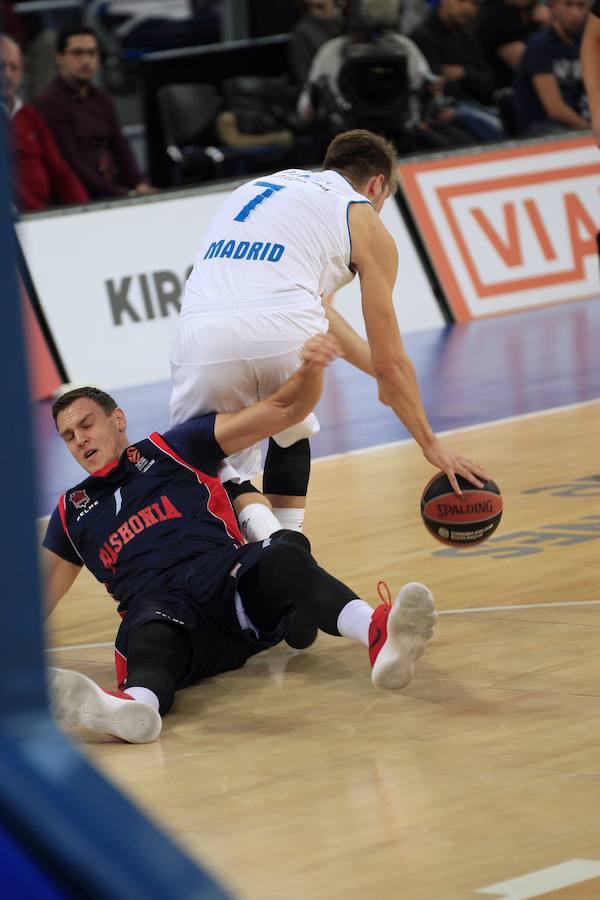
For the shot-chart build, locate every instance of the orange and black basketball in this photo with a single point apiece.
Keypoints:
(460, 521)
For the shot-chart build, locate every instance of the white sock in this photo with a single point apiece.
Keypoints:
(143, 695)
(354, 620)
(257, 522)
(290, 517)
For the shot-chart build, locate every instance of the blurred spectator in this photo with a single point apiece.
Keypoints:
(84, 121)
(273, 16)
(160, 25)
(414, 12)
(453, 51)
(504, 27)
(35, 26)
(590, 61)
(41, 176)
(321, 22)
(428, 122)
(549, 92)
(12, 24)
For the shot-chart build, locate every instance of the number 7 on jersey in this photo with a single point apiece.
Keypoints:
(246, 210)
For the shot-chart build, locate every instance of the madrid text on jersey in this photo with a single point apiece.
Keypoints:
(259, 250)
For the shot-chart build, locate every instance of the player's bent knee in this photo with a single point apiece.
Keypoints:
(286, 536)
(287, 470)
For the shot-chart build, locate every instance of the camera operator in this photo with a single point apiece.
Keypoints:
(374, 77)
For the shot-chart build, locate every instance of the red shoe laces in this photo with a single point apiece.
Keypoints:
(385, 595)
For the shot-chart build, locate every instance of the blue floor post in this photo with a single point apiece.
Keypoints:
(59, 819)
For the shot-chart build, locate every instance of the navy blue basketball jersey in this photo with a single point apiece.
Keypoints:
(141, 523)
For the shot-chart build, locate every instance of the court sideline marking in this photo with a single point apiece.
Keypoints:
(441, 612)
(462, 429)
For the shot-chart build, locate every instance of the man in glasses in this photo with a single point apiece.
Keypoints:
(84, 121)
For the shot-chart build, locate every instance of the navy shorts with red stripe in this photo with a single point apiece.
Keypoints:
(205, 605)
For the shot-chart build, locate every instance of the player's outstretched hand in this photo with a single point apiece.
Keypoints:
(320, 350)
(454, 464)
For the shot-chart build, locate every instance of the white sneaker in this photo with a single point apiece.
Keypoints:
(78, 700)
(397, 635)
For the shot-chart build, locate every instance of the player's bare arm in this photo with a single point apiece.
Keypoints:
(590, 64)
(289, 405)
(356, 349)
(58, 575)
(375, 257)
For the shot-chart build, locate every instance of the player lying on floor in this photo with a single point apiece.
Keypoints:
(153, 523)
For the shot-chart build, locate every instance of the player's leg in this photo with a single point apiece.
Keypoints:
(253, 510)
(277, 338)
(158, 656)
(285, 482)
(395, 633)
(287, 463)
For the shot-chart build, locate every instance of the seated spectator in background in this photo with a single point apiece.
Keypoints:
(452, 49)
(428, 122)
(549, 91)
(84, 121)
(41, 176)
(12, 23)
(268, 17)
(161, 25)
(322, 22)
(504, 27)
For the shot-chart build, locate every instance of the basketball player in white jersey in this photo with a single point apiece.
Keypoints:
(278, 245)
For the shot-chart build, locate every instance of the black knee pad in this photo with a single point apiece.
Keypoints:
(287, 469)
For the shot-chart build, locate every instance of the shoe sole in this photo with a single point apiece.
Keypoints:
(410, 624)
(77, 700)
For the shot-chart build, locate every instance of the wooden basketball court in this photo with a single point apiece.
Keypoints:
(294, 778)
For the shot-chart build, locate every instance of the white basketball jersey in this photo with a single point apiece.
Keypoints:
(277, 241)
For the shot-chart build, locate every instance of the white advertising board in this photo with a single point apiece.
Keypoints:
(510, 229)
(110, 282)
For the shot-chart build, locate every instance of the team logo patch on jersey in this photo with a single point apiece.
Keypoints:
(140, 462)
(79, 499)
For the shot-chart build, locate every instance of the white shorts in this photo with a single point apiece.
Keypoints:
(225, 362)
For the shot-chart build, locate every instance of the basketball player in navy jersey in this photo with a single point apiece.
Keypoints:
(277, 245)
(153, 523)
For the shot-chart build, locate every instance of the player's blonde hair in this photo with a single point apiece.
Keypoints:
(361, 154)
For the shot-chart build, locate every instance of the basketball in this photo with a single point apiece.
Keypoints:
(460, 521)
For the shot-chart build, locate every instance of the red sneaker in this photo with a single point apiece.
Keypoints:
(398, 632)
(80, 701)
